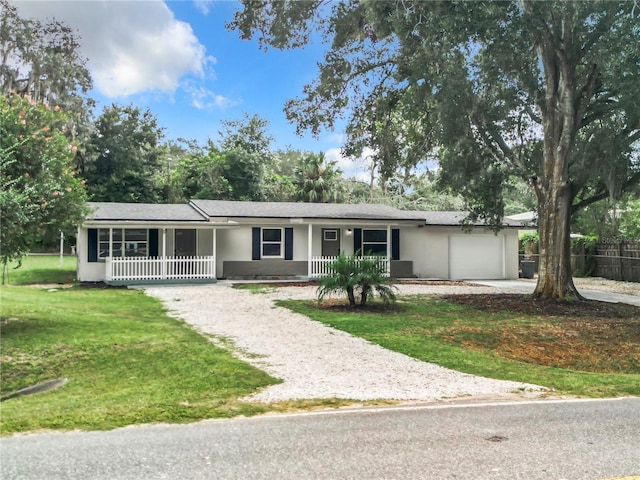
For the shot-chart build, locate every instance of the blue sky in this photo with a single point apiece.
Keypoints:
(177, 59)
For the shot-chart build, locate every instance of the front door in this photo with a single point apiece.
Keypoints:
(185, 243)
(330, 242)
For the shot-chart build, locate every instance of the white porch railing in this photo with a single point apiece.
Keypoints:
(119, 269)
(321, 266)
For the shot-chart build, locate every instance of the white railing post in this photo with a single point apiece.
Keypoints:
(310, 263)
(108, 269)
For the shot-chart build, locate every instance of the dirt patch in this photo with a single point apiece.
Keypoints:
(582, 335)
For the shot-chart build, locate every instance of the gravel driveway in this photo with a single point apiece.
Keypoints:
(316, 361)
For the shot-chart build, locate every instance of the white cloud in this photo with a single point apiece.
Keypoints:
(357, 168)
(204, 99)
(132, 47)
(339, 138)
(203, 5)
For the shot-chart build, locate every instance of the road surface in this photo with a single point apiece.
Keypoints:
(574, 440)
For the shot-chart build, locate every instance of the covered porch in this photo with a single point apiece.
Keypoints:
(180, 253)
(305, 249)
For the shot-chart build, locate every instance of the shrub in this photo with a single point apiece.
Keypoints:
(359, 278)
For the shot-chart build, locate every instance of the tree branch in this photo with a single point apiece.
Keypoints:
(631, 181)
(584, 95)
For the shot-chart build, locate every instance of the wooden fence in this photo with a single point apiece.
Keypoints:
(618, 261)
(615, 260)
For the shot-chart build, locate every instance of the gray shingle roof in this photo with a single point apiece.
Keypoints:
(447, 218)
(143, 212)
(223, 208)
(108, 211)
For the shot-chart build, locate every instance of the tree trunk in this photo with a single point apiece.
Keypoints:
(555, 279)
(351, 296)
(560, 123)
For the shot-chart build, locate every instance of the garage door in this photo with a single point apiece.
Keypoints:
(476, 257)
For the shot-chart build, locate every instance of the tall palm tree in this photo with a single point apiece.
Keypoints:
(317, 180)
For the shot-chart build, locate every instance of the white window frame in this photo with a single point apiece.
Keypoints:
(364, 250)
(104, 243)
(332, 231)
(264, 242)
(123, 241)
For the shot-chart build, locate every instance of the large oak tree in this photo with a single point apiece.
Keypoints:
(543, 90)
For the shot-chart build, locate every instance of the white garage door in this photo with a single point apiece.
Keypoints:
(476, 257)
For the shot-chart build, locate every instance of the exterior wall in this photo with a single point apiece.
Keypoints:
(264, 268)
(429, 249)
(87, 271)
(233, 245)
(512, 259)
(401, 268)
(204, 242)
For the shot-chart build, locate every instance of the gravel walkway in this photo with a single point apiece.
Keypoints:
(316, 361)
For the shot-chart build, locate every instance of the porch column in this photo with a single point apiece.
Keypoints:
(108, 264)
(309, 249)
(164, 253)
(389, 249)
(215, 261)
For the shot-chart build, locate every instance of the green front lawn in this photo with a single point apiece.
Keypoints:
(126, 362)
(596, 355)
(44, 269)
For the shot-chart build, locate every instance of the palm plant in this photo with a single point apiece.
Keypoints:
(357, 277)
(317, 180)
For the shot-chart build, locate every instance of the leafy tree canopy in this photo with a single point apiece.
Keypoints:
(123, 156)
(41, 60)
(249, 134)
(40, 192)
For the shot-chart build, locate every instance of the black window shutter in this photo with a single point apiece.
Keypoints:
(395, 244)
(357, 241)
(92, 251)
(153, 242)
(288, 243)
(255, 246)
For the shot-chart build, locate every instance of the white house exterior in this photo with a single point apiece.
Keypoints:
(205, 240)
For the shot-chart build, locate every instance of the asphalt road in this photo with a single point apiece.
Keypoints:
(537, 440)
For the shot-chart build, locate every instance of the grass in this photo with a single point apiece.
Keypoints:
(255, 288)
(44, 269)
(499, 344)
(127, 362)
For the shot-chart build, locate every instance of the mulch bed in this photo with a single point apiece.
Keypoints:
(530, 305)
(584, 335)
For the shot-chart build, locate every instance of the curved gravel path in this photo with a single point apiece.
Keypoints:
(316, 361)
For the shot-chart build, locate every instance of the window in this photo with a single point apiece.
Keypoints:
(374, 242)
(272, 242)
(103, 242)
(331, 235)
(135, 241)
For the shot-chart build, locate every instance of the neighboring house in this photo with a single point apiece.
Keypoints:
(204, 240)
